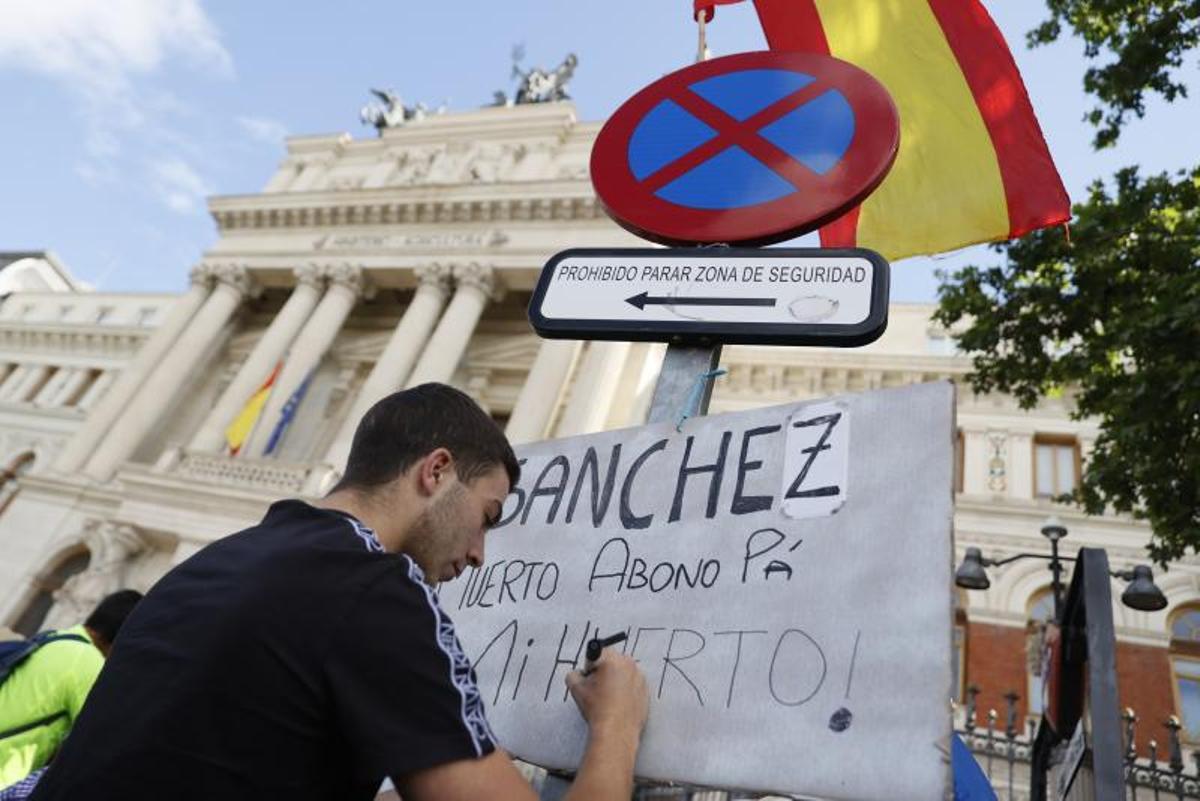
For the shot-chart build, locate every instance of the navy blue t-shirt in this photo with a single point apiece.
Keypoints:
(293, 660)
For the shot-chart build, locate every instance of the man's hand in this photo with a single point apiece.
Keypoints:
(613, 696)
(613, 700)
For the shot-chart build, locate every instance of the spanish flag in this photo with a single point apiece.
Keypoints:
(973, 165)
(239, 430)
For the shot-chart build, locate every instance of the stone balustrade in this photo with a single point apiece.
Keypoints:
(251, 474)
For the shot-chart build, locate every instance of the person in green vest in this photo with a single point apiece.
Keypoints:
(42, 696)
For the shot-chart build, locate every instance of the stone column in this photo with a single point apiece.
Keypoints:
(262, 360)
(97, 390)
(401, 351)
(652, 356)
(25, 390)
(1020, 471)
(72, 384)
(542, 390)
(150, 403)
(15, 379)
(475, 286)
(596, 384)
(977, 452)
(346, 285)
(100, 419)
(52, 388)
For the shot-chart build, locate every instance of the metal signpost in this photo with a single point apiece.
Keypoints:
(747, 150)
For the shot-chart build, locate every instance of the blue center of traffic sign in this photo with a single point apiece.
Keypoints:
(702, 148)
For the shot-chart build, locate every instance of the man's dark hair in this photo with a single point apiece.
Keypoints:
(405, 426)
(110, 613)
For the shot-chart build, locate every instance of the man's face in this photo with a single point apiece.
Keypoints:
(448, 536)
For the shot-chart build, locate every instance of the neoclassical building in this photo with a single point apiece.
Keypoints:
(367, 265)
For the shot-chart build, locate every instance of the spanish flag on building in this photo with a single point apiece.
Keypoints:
(973, 165)
(239, 430)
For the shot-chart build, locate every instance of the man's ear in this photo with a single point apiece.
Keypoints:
(434, 470)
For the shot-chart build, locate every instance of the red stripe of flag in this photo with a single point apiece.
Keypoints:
(792, 25)
(1033, 189)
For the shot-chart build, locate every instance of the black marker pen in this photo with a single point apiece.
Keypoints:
(596, 645)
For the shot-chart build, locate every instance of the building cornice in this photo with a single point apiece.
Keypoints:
(71, 339)
(531, 201)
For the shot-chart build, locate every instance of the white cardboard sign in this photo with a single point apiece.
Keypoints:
(796, 645)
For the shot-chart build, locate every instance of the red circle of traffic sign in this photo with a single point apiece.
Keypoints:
(748, 149)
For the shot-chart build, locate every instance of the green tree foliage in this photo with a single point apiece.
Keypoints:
(1111, 317)
(1116, 318)
(1149, 39)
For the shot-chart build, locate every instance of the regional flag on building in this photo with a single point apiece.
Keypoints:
(239, 430)
(973, 165)
(287, 414)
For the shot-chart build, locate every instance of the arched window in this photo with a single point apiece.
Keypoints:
(1041, 612)
(1185, 667)
(30, 621)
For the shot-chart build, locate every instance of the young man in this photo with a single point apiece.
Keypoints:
(41, 698)
(307, 657)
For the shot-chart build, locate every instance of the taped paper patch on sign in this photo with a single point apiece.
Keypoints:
(817, 461)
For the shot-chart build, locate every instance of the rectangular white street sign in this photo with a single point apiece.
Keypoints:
(783, 296)
(784, 576)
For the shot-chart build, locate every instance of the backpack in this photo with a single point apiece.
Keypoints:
(12, 654)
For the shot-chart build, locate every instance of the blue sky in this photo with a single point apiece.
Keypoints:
(122, 116)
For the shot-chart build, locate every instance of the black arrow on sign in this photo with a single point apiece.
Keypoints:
(644, 299)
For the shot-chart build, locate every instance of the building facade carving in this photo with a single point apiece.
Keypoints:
(112, 546)
(348, 276)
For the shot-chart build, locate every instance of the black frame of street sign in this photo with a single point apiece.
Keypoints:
(712, 333)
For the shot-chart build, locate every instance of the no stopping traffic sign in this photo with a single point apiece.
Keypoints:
(747, 149)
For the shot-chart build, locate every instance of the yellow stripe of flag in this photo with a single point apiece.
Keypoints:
(943, 138)
(239, 430)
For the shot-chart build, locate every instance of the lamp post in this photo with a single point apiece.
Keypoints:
(1054, 530)
(1141, 594)
(1085, 663)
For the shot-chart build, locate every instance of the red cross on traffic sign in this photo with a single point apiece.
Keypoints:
(748, 149)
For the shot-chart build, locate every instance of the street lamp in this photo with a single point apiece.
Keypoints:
(970, 574)
(1141, 594)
